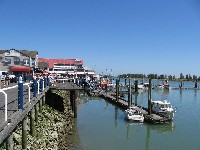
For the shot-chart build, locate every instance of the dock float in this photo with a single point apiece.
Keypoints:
(123, 104)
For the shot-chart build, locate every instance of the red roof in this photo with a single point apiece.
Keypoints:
(20, 68)
(52, 61)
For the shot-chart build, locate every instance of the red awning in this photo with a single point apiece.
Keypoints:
(20, 68)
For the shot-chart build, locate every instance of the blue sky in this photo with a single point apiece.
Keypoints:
(127, 36)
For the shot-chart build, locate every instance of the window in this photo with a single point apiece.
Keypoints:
(33, 62)
(16, 60)
(7, 61)
(26, 62)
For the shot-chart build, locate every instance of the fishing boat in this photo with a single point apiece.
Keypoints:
(134, 115)
(164, 108)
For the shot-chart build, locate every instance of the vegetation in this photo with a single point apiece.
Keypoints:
(187, 77)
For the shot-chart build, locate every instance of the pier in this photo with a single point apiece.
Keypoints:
(25, 100)
(115, 98)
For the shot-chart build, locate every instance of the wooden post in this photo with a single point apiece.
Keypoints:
(36, 113)
(136, 98)
(125, 81)
(117, 90)
(34, 88)
(32, 125)
(40, 105)
(129, 94)
(43, 100)
(73, 102)
(195, 86)
(24, 133)
(20, 94)
(149, 98)
(9, 142)
(75, 105)
(136, 86)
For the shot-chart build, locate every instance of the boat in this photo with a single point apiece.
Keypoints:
(134, 115)
(162, 86)
(143, 86)
(164, 108)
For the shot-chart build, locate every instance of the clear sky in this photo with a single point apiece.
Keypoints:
(127, 36)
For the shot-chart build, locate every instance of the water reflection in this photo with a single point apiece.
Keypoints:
(160, 128)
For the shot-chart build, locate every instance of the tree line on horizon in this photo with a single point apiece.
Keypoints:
(187, 77)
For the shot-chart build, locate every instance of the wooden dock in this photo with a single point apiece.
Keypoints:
(153, 118)
(14, 115)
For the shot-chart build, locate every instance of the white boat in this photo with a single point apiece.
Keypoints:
(133, 115)
(143, 86)
(164, 108)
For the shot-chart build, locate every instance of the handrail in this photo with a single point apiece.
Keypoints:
(6, 102)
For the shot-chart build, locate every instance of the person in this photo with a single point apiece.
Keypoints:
(7, 80)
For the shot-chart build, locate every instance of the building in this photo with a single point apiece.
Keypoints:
(18, 61)
(73, 67)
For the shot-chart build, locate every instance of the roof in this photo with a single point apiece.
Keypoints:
(52, 61)
(20, 68)
(29, 53)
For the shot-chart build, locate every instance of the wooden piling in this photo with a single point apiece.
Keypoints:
(73, 102)
(36, 113)
(129, 93)
(125, 81)
(32, 125)
(136, 86)
(43, 100)
(195, 85)
(40, 105)
(9, 142)
(117, 90)
(24, 133)
(149, 98)
(136, 98)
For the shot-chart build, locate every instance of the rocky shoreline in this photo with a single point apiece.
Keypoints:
(53, 127)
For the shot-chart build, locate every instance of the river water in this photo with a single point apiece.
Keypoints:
(101, 125)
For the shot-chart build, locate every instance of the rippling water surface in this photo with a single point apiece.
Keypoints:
(101, 126)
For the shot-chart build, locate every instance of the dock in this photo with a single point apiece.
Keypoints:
(22, 100)
(123, 104)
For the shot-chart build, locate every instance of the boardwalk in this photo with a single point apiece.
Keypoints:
(15, 115)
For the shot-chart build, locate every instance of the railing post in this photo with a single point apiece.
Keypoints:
(20, 94)
(29, 93)
(42, 84)
(45, 82)
(34, 87)
(38, 87)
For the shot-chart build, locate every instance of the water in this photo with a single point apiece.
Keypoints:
(101, 126)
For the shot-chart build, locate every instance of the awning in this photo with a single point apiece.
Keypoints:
(20, 69)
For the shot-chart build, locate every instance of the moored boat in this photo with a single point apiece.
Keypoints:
(164, 108)
(134, 115)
